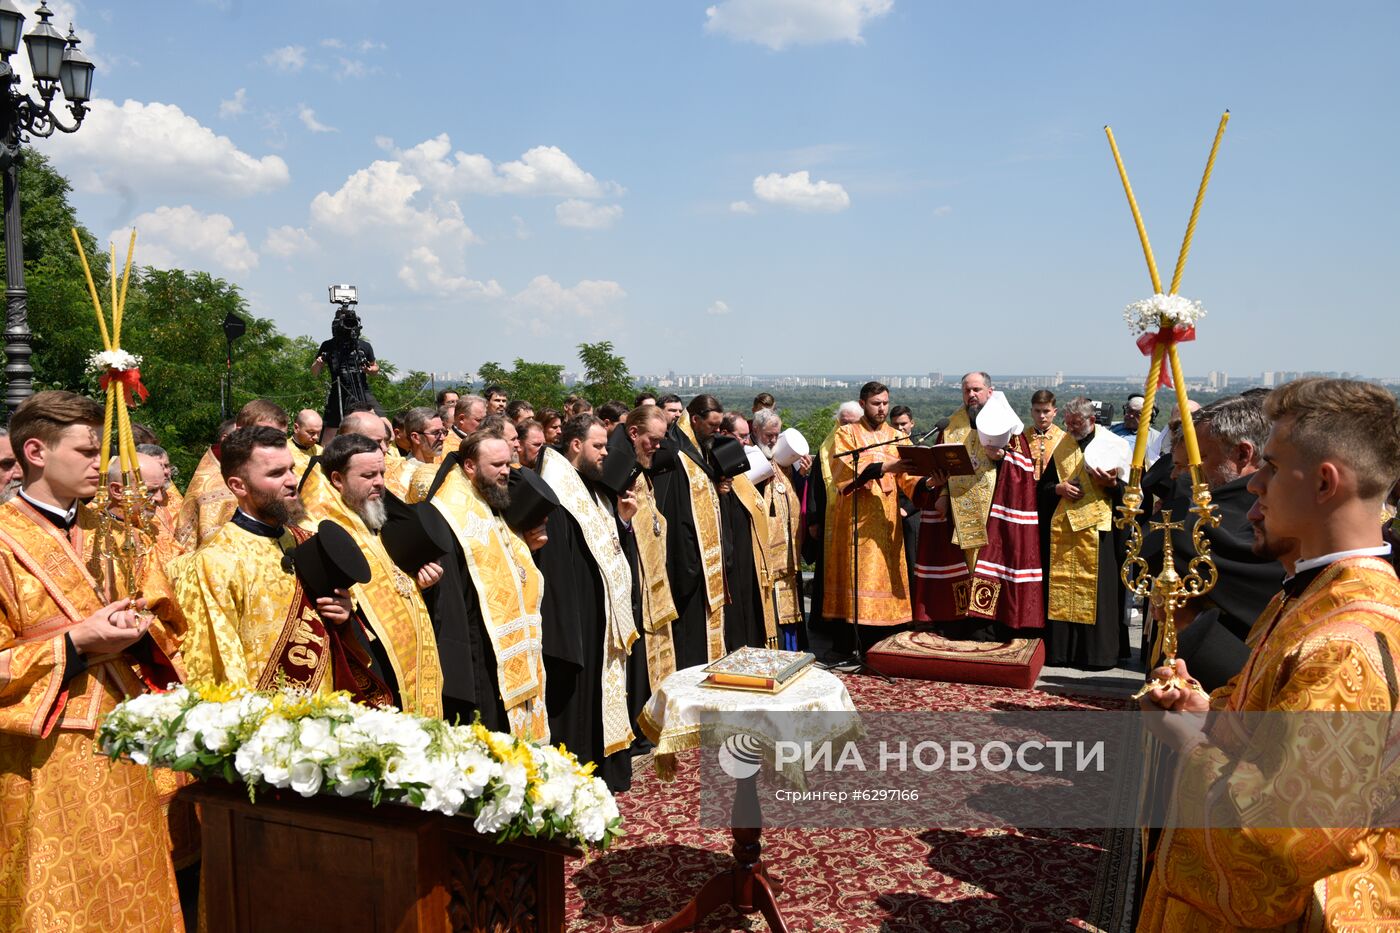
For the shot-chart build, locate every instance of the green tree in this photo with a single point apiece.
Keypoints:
(605, 375)
(815, 426)
(61, 315)
(540, 384)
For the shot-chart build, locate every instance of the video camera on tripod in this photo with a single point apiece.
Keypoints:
(348, 357)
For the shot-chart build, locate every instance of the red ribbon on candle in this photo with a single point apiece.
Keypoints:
(129, 380)
(1165, 337)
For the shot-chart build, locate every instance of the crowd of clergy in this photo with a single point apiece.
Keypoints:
(547, 570)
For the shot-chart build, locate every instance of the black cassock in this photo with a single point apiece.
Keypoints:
(1074, 644)
(683, 567)
(743, 616)
(574, 620)
(468, 661)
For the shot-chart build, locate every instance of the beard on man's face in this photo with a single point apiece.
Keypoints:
(371, 511)
(590, 471)
(275, 509)
(497, 495)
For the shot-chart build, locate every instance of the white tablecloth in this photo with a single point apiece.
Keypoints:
(683, 714)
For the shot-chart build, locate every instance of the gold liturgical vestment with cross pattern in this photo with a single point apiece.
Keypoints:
(207, 504)
(237, 596)
(394, 611)
(1074, 538)
(1317, 651)
(970, 497)
(83, 840)
(509, 588)
(883, 587)
(599, 529)
(704, 510)
(658, 607)
(784, 545)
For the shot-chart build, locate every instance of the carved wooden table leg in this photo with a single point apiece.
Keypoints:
(746, 887)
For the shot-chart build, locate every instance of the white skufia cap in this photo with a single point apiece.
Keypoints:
(759, 467)
(1109, 452)
(791, 447)
(997, 422)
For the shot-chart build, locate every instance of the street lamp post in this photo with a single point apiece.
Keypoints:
(56, 64)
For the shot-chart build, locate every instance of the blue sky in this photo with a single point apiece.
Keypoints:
(506, 179)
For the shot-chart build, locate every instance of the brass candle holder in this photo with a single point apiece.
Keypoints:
(1174, 318)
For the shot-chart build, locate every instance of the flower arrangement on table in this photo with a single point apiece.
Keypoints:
(328, 744)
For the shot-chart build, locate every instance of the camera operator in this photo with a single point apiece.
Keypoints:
(351, 361)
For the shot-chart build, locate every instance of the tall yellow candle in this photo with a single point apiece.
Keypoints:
(1137, 215)
(1188, 430)
(92, 290)
(1196, 207)
(1149, 392)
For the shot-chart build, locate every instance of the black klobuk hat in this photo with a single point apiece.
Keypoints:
(329, 560)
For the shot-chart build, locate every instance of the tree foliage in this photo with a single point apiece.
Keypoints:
(173, 320)
(605, 376)
(540, 384)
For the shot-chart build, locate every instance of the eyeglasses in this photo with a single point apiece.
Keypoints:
(438, 433)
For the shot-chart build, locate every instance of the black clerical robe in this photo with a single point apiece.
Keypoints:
(684, 567)
(743, 616)
(469, 683)
(573, 618)
(1101, 645)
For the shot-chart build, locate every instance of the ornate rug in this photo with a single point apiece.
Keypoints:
(896, 880)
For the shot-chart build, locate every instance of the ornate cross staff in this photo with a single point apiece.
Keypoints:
(1164, 321)
(121, 543)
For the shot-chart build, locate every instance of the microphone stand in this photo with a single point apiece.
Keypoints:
(858, 656)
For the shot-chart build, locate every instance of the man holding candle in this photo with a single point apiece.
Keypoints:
(1329, 642)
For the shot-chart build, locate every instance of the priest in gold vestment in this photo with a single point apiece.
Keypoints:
(206, 503)
(249, 620)
(409, 478)
(782, 509)
(399, 631)
(880, 597)
(1329, 642)
(486, 609)
(83, 840)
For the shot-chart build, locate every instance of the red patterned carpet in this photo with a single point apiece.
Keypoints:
(864, 879)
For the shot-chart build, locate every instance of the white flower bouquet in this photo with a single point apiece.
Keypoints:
(1170, 311)
(108, 360)
(328, 744)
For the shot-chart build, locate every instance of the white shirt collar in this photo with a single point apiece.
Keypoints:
(67, 517)
(1382, 550)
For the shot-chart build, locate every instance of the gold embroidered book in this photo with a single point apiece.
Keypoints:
(758, 668)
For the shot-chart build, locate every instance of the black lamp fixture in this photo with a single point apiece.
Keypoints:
(57, 65)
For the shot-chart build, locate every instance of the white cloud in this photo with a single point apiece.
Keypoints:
(287, 241)
(369, 45)
(545, 305)
(332, 43)
(235, 105)
(422, 271)
(383, 195)
(289, 59)
(800, 192)
(717, 308)
(543, 170)
(585, 215)
(741, 207)
(181, 236)
(943, 210)
(308, 120)
(158, 148)
(781, 23)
